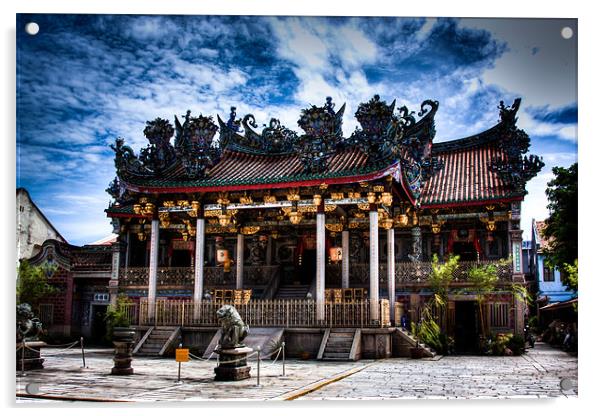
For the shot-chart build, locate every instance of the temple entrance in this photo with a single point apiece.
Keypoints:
(466, 333)
(181, 258)
(307, 271)
(466, 251)
(98, 327)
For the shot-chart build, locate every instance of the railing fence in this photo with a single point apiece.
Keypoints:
(264, 313)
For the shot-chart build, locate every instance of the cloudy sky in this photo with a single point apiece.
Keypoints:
(83, 80)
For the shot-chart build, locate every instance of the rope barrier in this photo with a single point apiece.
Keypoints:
(54, 352)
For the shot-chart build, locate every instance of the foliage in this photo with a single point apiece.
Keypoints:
(561, 226)
(116, 316)
(32, 283)
(516, 343)
(483, 279)
(441, 276)
(499, 344)
(429, 332)
(571, 275)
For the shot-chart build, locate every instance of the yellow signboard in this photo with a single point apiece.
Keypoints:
(182, 355)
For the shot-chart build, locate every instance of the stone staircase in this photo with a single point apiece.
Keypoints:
(292, 292)
(157, 341)
(340, 344)
(410, 341)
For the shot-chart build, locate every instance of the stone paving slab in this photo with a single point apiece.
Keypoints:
(536, 374)
(155, 379)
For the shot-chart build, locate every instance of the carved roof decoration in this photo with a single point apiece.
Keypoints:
(389, 142)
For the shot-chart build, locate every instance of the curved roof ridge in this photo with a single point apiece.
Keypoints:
(475, 140)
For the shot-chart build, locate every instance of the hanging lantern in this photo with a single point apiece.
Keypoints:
(387, 199)
(137, 209)
(149, 208)
(224, 219)
(184, 236)
(295, 217)
(317, 199)
(436, 228)
(141, 236)
(275, 234)
(403, 220)
(387, 223)
(336, 254)
(222, 255)
(371, 197)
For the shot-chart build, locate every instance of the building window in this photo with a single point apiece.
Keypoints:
(47, 314)
(101, 297)
(498, 315)
(548, 274)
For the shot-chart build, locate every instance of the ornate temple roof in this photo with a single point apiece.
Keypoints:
(484, 167)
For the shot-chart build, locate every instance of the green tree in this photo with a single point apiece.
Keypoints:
(561, 226)
(32, 284)
(441, 276)
(482, 279)
(116, 316)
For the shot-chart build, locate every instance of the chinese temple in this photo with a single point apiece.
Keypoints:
(314, 229)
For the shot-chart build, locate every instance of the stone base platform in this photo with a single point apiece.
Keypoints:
(233, 364)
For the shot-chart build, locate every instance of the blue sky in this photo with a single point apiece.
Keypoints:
(84, 80)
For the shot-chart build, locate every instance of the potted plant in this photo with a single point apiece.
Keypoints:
(122, 336)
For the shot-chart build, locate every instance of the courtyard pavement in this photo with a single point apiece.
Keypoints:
(536, 374)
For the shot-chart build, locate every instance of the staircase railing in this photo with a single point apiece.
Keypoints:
(268, 313)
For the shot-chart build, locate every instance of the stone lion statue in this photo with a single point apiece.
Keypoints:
(28, 326)
(234, 329)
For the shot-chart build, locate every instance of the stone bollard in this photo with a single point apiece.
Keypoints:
(123, 339)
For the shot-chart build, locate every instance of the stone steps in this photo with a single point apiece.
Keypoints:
(292, 292)
(339, 344)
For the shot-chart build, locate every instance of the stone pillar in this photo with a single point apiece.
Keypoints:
(128, 249)
(240, 258)
(416, 244)
(345, 262)
(152, 269)
(114, 281)
(374, 307)
(199, 260)
(391, 272)
(320, 262)
(268, 254)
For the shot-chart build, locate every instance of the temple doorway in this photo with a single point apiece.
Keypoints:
(466, 251)
(466, 331)
(307, 272)
(98, 329)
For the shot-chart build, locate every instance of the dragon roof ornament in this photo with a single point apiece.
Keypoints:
(385, 135)
(515, 167)
(323, 132)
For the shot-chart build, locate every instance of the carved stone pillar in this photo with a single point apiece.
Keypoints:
(320, 263)
(199, 260)
(114, 281)
(416, 244)
(240, 256)
(345, 262)
(152, 269)
(374, 265)
(391, 272)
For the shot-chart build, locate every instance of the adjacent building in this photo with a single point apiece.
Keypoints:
(33, 228)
